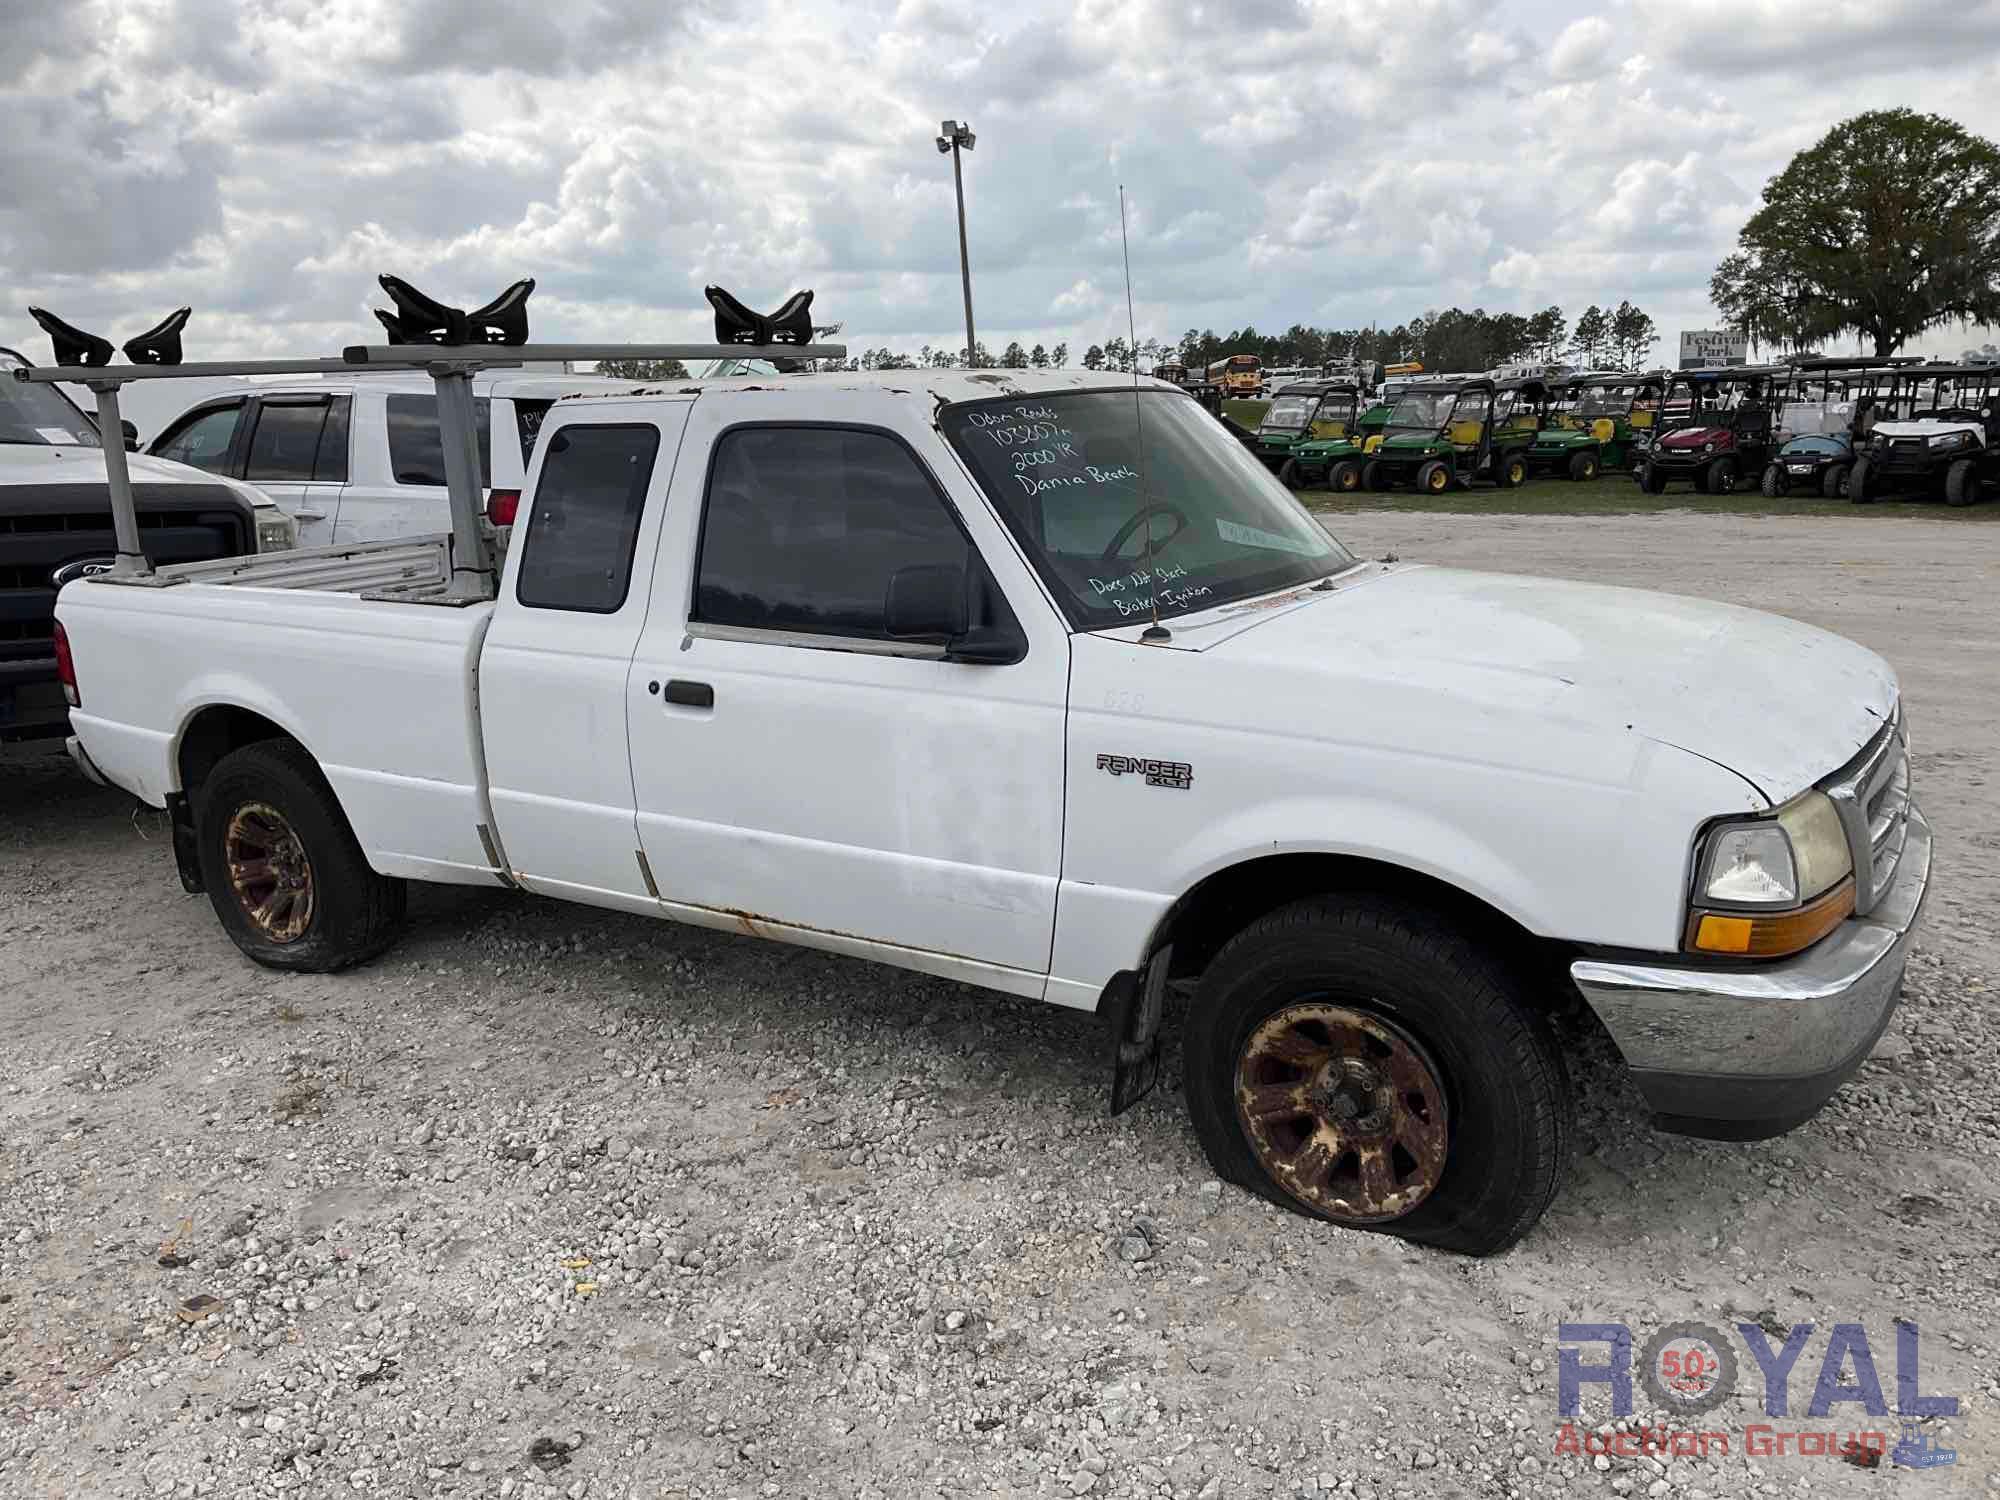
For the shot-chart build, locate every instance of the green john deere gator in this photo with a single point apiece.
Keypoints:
(1320, 417)
(1447, 433)
(1600, 421)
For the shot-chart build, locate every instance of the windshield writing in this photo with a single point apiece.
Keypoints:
(1186, 521)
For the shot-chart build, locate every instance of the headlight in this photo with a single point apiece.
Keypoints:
(1708, 447)
(1773, 886)
(1949, 439)
(278, 533)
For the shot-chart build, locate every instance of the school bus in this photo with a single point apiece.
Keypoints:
(1241, 376)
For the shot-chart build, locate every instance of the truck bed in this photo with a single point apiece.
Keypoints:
(407, 569)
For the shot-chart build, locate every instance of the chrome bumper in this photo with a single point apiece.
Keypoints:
(1750, 1052)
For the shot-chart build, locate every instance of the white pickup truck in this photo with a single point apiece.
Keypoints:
(1042, 683)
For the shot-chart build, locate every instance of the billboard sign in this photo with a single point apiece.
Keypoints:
(1705, 347)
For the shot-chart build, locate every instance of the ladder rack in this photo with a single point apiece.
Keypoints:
(474, 569)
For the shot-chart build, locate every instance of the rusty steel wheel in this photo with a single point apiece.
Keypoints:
(1344, 1110)
(269, 872)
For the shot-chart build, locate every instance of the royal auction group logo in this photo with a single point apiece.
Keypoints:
(1690, 1369)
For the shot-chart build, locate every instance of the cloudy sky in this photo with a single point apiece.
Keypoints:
(1319, 161)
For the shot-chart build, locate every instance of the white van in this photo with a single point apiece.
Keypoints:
(357, 458)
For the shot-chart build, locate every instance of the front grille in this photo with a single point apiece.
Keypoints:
(1872, 795)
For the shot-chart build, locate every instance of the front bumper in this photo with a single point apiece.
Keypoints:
(1682, 460)
(1745, 1053)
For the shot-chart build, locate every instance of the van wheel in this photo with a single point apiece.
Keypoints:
(1583, 467)
(1288, 475)
(1344, 478)
(1857, 483)
(1961, 483)
(282, 868)
(1833, 483)
(1355, 1059)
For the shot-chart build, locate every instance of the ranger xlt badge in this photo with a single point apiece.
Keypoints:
(1177, 774)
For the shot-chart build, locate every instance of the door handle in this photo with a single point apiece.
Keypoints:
(690, 694)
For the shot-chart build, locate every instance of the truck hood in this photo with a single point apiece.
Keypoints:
(1781, 704)
(42, 463)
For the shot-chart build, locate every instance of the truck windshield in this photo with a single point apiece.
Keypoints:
(1068, 475)
(1418, 411)
(39, 414)
(1287, 414)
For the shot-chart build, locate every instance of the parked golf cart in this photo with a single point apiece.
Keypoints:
(1329, 451)
(1944, 438)
(1302, 412)
(1834, 404)
(1717, 425)
(1597, 421)
(1446, 433)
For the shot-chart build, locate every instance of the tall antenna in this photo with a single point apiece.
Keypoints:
(1156, 631)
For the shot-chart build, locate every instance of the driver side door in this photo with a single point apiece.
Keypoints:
(799, 771)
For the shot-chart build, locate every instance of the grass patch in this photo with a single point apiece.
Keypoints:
(1619, 495)
(1249, 413)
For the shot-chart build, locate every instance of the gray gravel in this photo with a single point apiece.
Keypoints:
(558, 1202)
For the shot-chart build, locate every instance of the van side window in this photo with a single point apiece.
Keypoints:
(585, 519)
(803, 526)
(416, 452)
(204, 439)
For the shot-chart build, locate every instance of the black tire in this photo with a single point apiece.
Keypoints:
(1774, 485)
(1511, 469)
(1719, 478)
(351, 913)
(1961, 483)
(1288, 474)
(1651, 480)
(1858, 490)
(1433, 476)
(1503, 1079)
(1343, 478)
(1375, 475)
(1583, 467)
(1833, 483)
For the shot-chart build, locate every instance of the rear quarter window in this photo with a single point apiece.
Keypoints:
(585, 517)
(416, 451)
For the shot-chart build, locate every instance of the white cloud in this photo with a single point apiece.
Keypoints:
(1583, 48)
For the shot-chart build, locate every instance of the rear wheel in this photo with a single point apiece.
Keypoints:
(1288, 475)
(1774, 484)
(1512, 469)
(1344, 478)
(1858, 479)
(1434, 477)
(1961, 483)
(1355, 1059)
(1720, 476)
(1583, 466)
(282, 868)
(1833, 483)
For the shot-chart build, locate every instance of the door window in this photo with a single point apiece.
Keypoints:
(416, 452)
(803, 527)
(330, 463)
(203, 439)
(585, 518)
(284, 445)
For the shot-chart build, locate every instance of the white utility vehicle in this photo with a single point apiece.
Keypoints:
(359, 458)
(1039, 681)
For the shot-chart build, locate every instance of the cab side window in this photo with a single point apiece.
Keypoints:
(803, 527)
(585, 519)
(204, 439)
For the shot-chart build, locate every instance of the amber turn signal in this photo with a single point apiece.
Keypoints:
(1775, 935)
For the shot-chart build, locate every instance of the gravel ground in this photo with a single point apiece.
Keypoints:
(557, 1202)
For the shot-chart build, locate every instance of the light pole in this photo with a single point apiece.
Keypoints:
(955, 136)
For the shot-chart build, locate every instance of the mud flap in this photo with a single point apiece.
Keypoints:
(1134, 1011)
(180, 816)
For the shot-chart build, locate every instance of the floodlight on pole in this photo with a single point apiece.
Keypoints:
(956, 137)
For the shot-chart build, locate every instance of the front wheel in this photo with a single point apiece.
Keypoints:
(1961, 483)
(1288, 475)
(1583, 467)
(1344, 478)
(1858, 478)
(1434, 476)
(1651, 480)
(1774, 484)
(288, 882)
(1375, 475)
(1355, 1059)
(1719, 476)
(1833, 483)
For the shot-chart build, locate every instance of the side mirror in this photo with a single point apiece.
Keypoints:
(131, 431)
(927, 600)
